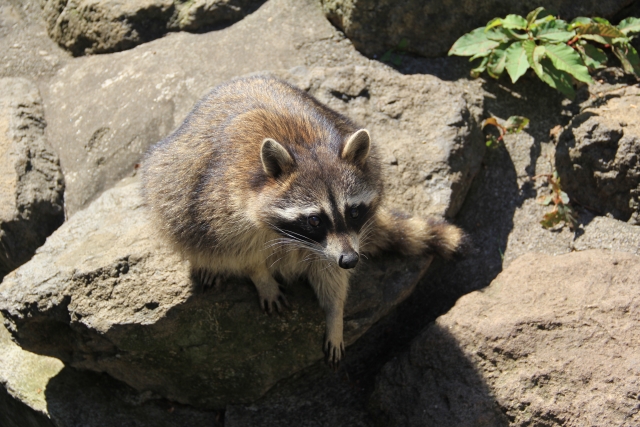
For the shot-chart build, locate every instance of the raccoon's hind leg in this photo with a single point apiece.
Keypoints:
(412, 235)
(269, 290)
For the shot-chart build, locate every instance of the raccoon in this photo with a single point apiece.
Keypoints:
(262, 180)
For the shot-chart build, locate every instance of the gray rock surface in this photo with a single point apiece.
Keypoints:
(105, 294)
(427, 129)
(132, 99)
(552, 341)
(38, 391)
(31, 200)
(99, 26)
(431, 27)
(25, 49)
(598, 155)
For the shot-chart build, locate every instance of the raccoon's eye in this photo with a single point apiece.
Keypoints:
(314, 220)
(354, 212)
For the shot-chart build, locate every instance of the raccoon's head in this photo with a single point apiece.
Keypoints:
(323, 196)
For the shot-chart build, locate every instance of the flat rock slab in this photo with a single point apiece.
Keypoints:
(105, 294)
(552, 341)
(31, 184)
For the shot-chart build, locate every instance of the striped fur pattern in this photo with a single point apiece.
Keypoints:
(262, 180)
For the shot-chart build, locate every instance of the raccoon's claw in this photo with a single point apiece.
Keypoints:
(206, 278)
(278, 300)
(333, 353)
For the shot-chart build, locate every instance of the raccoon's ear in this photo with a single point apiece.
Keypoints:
(275, 158)
(356, 150)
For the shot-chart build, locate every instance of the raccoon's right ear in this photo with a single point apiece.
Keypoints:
(356, 150)
(276, 160)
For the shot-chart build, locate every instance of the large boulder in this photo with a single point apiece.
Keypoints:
(598, 156)
(106, 294)
(100, 26)
(431, 27)
(552, 341)
(31, 195)
(39, 391)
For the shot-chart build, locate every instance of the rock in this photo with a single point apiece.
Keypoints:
(99, 26)
(598, 156)
(38, 391)
(607, 233)
(431, 27)
(552, 341)
(31, 200)
(427, 129)
(132, 99)
(105, 294)
(26, 49)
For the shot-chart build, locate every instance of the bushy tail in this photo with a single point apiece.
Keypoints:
(408, 235)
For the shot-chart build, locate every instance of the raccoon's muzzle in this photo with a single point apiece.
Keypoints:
(348, 260)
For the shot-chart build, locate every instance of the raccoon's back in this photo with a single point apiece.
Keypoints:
(200, 180)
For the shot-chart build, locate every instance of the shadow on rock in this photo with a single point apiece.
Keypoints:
(96, 400)
(435, 385)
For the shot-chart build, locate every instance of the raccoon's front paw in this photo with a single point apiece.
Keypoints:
(333, 352)
(204, 277)
(271, 299)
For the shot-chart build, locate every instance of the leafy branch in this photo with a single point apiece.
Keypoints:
(561, 211)
(514, 124)
(558, 52)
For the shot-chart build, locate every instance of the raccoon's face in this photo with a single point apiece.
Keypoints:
(326, 202)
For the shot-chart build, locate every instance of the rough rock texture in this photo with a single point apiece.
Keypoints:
(25, 49)
(598, 156)
(130, 100)
(105, 294)
(31, 200)
(38, 391)
(428, 130)
(431, 27)
(552, 341)
(99, 26)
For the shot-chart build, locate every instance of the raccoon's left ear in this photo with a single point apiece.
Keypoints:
(276, 160)
(356, 150)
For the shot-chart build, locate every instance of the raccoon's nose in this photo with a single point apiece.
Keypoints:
(348, 260)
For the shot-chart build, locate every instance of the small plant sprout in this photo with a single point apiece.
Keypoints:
(514, 124)
(559, 52)
(396, 55)
(561, 211)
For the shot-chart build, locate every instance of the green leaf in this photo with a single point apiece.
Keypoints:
(517, 63)
(404, 43)
(475, 73)
(497, 61)
(564, 197)
(557, 79)
(629, 25)
(495, 22)
(534, 55)
(593, 57)
(578, 22)
(564, 58)
(555, 32)
(601, 21)
(479, 55)
(498, 35)
(531, 17)
(629, 59)
(515, 124)
(601, 33)
(514, 22)
(473, 43)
